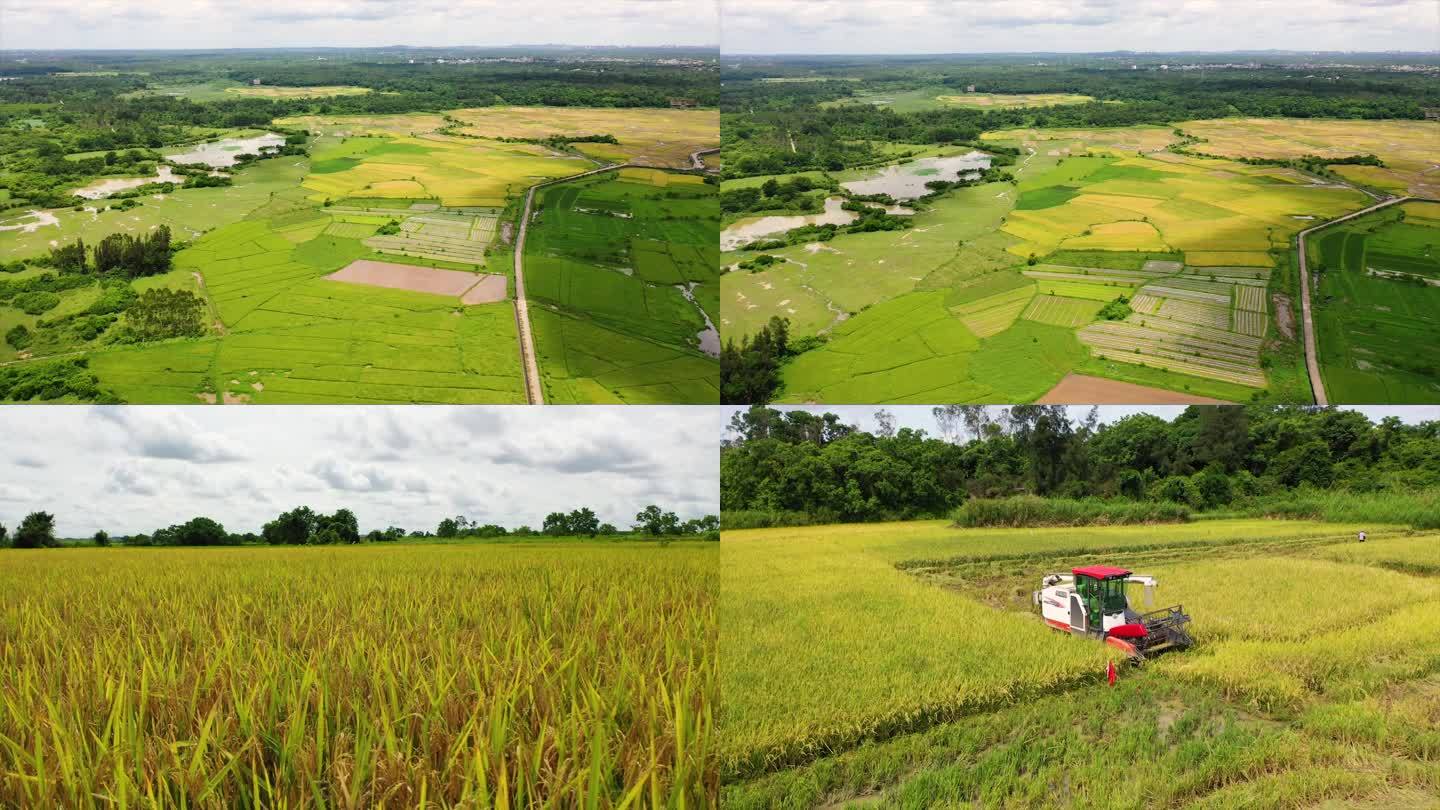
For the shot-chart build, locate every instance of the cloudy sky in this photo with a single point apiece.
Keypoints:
(984, 26)
(920, 417)
(41, 24)
(136, 469)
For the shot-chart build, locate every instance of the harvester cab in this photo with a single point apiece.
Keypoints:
(1091, 601)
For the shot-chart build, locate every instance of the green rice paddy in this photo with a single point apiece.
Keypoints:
(623, 271)
(607, 263)
(1375, 304)
(287, 335)
(1093, 215)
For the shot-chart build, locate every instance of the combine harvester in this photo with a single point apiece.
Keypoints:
(1091, 602)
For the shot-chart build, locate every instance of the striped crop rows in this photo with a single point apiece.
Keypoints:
(1207, 322)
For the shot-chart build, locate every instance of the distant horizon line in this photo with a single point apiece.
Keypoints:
(1400, 51)
(537, 46)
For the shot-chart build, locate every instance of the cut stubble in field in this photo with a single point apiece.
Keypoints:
(476, 289)
(1087, 390)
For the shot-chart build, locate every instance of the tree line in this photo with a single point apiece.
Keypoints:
(763, 119)
(304, 526)
(1210, 457)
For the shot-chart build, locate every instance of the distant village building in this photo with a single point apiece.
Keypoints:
(684, 103)
(969, 88)
(254, 82)
(1432, 113)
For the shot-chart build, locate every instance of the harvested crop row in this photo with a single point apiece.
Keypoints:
(1166, 326)
(1198, 357)
(1169, 291)
(1146, 304)
(1251, 299)
(1251, 323)
(1215, 317)
(1183, 340)
(1181, 366)
(1237, 273)
(1194, 284)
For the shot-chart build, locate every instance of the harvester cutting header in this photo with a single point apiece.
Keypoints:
(1091, 602)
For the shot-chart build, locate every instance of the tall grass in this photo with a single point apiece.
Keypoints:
(1031, 510)
(358, 677)
(1418, 509)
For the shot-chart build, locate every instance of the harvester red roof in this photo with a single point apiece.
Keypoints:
(1100, 571)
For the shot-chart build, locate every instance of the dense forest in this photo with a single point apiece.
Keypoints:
(794, 466)
(304, 526)
(774, 127)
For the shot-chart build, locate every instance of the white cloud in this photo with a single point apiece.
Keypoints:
(15, 492)
(347, 476)
(168, 433)
(1028, 26)
(353, 23)
(129, 470)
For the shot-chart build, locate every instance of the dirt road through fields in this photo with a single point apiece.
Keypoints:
(1307, 322)
(534, 392)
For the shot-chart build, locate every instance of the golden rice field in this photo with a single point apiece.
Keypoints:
(1110, 140)
(408, 124)
(265, 91)
(1408, 148)
(899, 664)
(1178, 204)
(651, 137)
(1006, 101)
(828, 639)
(399, 676)
(375, 162)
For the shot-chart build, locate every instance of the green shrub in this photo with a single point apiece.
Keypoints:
(1031, 510)
(36, 303)
(19, 337)
(1117, 310)
(51, 381)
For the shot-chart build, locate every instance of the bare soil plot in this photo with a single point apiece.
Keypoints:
(1087, 390)
(490, 289)
(408, 277)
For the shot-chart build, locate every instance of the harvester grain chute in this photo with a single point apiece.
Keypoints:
(1091, 601)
